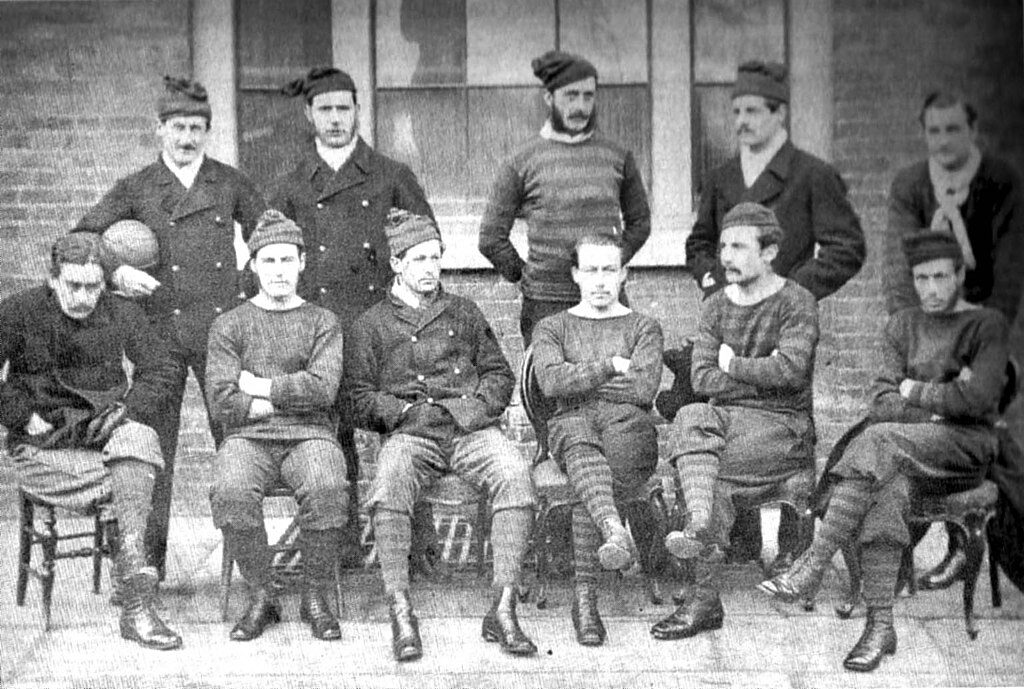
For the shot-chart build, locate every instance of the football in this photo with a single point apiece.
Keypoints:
(134, 243)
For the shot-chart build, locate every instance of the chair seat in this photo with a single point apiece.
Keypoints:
(936, 507)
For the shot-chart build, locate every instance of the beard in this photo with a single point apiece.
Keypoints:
(558, 122)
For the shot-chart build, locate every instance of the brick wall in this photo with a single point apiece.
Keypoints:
(78, 85)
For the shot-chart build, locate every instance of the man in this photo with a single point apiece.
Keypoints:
(567, 181)
(979, 199)
(273, 372)
(340, 194)
(931, 421)
(601, 363)
(823, 244)
(191, 202)
(81, 436)
(753, 361)
(426, 370)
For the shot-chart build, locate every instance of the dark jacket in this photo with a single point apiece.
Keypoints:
(195, 230)
(994, 216)
(342, 219)
(60, 368)
(809, 199)
(442, 357)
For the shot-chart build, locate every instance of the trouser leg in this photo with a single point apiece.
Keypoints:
(393, 532)
(510, 533)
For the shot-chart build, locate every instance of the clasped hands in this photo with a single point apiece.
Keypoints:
(259, 389)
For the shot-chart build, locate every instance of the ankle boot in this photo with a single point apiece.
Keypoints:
(877, 641)
(318, 613)
(501, 625)
(701, 611)
(140, 623)
(618, 550)
(586, 619)
(800, 581)
(263, 610)
(405, 628)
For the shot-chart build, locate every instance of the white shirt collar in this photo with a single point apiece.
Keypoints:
(336, 157)
(548, 132)
(186, 174)
(753, 164)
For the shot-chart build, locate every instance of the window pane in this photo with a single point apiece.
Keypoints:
(728, 32)
(426, 129)
(279, 41)
(504, 37)
(500, 121)
(421, 42)
(274, 134)
(610, 33)
(714, 141)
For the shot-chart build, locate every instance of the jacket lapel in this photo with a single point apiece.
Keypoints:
(201, 196)
(770, 183)
(353, 173)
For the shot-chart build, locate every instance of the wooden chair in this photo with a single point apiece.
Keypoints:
(49, 540)
(554, 491)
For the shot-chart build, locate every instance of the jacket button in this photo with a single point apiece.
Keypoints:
(430, 400)
(465, 397)
(456, 371)
(175, 269)
(241, 295)
(320, 206)
(218, 265)
(372, 288)
(218, 220)
(322, 248)
(171, 223)
(366, 245)
(366, 203)
(176, 312)
(414, 338)
(451, 333)
(323, 290)
(218, 309)
(420, 377)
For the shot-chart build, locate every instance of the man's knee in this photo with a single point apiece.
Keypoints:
(237, 505)
(510, 482)
(395, 486)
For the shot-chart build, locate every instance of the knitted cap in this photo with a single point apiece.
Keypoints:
(928, 245)
(274, 227)
(405, 230)
(319, 80)
(556, 69)
(183, 97)
(758, 78)
(748, 214)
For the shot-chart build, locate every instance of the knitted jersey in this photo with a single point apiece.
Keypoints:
(573, 358)
(299, 349)
(774, 342)
(563, 191)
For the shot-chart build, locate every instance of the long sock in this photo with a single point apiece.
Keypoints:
(510, 534)
(697, 474)
(591, 478)
(586, 539)
(131, 486)
(319, 552)
(881, 565)
(252, 553)
(850, 501)
(393, 531)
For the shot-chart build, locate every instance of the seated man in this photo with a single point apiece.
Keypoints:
(79, 433)
(273, 370)
(426, 370)
(601, 364)
(754, 359)
(932, 409)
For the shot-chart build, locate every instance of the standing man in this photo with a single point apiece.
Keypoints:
(979, 200)
(191, 202)
(753, 361)
(273, 373)
(822, 245)
(601, 364)
(567, 182)
(340, 195)
(425, 369)
(79, 433)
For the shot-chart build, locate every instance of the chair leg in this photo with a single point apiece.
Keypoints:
(975, 551)
(227, 566)
(993, 574)
(97, 554)
(540, 538)
(851, 556)
(49, 543)
(25, 529)
(805, 535)
(482, 534)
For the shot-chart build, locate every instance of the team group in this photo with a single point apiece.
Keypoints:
(345, 294)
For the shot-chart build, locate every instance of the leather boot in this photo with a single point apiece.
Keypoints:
(586, 619)
(263, 610)
(877, 641)
(618, 550)
(950, 570)
(405, 628)
(315, 610)
(140, 623)
(502, 625)
(800, 581)
(701, 611)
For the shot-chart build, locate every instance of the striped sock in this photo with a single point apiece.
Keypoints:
(880, 563)
(393, 532)
(591, 478)
(697, 474)
(586, 539)
(850, 501)
(510, 534)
